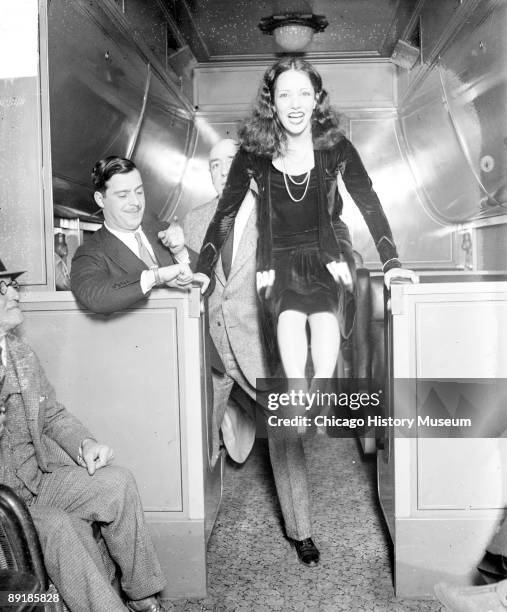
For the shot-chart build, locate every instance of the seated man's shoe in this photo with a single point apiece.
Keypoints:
(493, 567)
(307, 552)
(149, 604)
(470, 599)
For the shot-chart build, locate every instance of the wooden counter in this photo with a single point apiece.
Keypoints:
(138, 380)
(442, 497)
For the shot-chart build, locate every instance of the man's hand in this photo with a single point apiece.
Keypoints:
(170, 274)
(203, 280)
(340, 271)
(185, 277)
(173, 237)
(177, 276)
(93, 455)
(397, 274)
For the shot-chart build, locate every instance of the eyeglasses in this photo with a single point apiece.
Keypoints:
(4, 286)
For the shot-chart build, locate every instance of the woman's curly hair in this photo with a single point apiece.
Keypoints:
(263, 134)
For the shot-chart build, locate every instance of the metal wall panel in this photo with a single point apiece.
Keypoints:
(107, 100)
(162, 151)
(444, 180)
(455, 124)
(96, 95)
(354, 84)
(473, 72)
(421, 240)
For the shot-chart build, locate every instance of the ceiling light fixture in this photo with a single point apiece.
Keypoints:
(293, 31)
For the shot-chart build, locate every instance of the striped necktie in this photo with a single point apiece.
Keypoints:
(144, 254)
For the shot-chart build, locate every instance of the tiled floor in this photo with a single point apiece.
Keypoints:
(252, 568)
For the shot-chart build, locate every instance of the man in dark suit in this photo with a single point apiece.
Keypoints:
(120, 263)
(63, 474)
(118, 266)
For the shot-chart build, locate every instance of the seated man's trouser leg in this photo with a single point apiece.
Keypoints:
(286, 453)
(109, 497)
(73, 565)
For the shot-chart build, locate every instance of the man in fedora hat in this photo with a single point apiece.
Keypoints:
(64, 476)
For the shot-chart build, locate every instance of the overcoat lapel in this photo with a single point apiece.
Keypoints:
(247, 244)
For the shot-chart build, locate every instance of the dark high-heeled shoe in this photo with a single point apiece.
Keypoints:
(307, 552)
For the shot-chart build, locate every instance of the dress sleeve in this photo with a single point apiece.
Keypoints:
(359, 185)
(238, 183)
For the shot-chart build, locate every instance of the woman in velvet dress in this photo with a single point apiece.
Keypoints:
(293, 148)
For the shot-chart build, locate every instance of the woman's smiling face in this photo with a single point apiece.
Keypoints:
(294, 101)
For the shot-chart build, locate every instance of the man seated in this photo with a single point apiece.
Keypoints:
(488, 598)
(64, 475)
(121, 262)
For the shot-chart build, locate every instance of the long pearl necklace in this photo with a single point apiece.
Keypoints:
(305, 180)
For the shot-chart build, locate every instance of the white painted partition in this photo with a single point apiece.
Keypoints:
(138, 380)
(443, 497)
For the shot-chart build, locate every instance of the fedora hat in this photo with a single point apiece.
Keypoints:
(5, 272)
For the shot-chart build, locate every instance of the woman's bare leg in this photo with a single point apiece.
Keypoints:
(325, 343)
(292, 342)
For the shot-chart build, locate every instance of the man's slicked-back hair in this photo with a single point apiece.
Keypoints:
(106, 168)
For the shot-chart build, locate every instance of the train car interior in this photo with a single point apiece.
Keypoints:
(420, 87)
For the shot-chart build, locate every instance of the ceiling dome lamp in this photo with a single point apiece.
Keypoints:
(293, 31)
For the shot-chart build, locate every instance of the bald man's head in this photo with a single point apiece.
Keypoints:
(220, 158)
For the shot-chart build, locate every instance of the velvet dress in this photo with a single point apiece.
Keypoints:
(298, 240)
(302, 281)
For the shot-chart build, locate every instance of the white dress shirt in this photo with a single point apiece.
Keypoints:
(129, 240)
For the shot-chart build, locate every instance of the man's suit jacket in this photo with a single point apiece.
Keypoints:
(56, 434)
(233, 307)
(105, 274)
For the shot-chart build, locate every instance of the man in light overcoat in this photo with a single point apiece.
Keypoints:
(236, 333)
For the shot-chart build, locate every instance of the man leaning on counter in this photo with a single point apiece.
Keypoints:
(120, 263)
